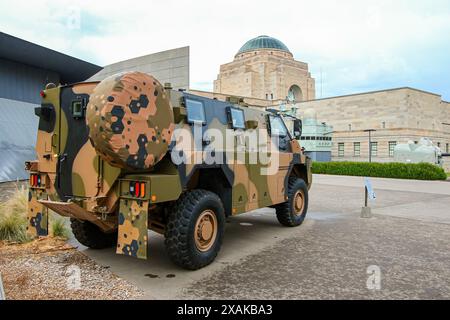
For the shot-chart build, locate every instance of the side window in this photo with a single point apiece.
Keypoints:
(78, 108)
(237, 118)
(195, 111)
(277, 127)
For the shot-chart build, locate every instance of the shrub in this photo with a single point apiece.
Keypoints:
(13, 217)
(58, 227)
(416, 171)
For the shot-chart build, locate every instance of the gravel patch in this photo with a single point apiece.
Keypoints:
(48, 269)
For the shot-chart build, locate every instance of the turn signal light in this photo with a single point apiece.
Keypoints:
(142, 189)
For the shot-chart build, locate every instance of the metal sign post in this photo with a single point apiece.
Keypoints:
(366, 211)
(2, 291)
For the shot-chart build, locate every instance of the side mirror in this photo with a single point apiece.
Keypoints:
(297, 129)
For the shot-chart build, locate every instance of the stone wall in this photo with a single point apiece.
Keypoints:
(397, 115)
(262, 103)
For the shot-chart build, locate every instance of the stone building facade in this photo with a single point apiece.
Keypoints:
(264, 68)
(397, 115)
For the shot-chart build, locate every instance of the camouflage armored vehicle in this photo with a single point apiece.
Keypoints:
(125, 155)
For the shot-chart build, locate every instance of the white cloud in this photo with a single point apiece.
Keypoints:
(356, 43)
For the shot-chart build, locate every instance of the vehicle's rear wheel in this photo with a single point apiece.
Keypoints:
(91, 236)
(292, 213)
(194, 229)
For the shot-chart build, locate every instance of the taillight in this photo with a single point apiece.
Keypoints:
(137, 189)
(35, 180)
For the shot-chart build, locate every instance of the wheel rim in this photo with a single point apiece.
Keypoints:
(299, 202)
(205, 230)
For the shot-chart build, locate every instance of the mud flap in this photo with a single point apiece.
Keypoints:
(133, 232)
(37, 214)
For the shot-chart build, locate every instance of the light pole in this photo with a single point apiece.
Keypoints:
(370, 142)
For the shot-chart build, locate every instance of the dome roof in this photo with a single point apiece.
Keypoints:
(263, 42)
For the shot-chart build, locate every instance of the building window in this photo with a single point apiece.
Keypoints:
(374, 149)
(357, 149)
(446, 148)
(392, 145)
(271, 96)
(349, 127)
(439, 144)
(340, 149)
(384, 125)
(267, 96)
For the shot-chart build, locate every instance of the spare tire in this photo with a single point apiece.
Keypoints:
(130, 120)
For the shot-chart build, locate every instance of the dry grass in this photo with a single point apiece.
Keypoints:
(13, 217)
(58, 227)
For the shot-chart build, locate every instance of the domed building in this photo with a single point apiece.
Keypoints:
(264, 68)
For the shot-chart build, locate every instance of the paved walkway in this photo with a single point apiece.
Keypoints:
(413, 199)
(326, 257)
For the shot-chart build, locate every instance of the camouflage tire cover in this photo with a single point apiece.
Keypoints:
(130, 120)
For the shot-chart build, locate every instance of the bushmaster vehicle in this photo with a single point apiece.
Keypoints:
(127, 154)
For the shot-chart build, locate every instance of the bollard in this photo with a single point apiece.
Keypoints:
(366, 211)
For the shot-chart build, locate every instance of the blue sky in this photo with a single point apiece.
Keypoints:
(358, 45)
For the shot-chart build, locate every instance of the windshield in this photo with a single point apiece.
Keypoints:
(277, 126)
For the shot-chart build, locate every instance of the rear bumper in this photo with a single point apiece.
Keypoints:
(73, 210)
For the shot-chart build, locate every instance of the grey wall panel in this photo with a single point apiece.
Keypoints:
(22, 82)
(18, 131)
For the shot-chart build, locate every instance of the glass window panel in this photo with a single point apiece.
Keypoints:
(195, 111)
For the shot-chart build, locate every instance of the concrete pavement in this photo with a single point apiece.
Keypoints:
(326, 257)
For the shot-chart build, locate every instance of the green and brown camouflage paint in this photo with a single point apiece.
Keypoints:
(128, 131)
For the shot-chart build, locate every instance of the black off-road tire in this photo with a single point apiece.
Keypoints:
(91, 236)
(286, 211)
(180, 229)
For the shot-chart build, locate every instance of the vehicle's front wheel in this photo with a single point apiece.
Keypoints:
(194, 229)
(292, 213)
(91, 236)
